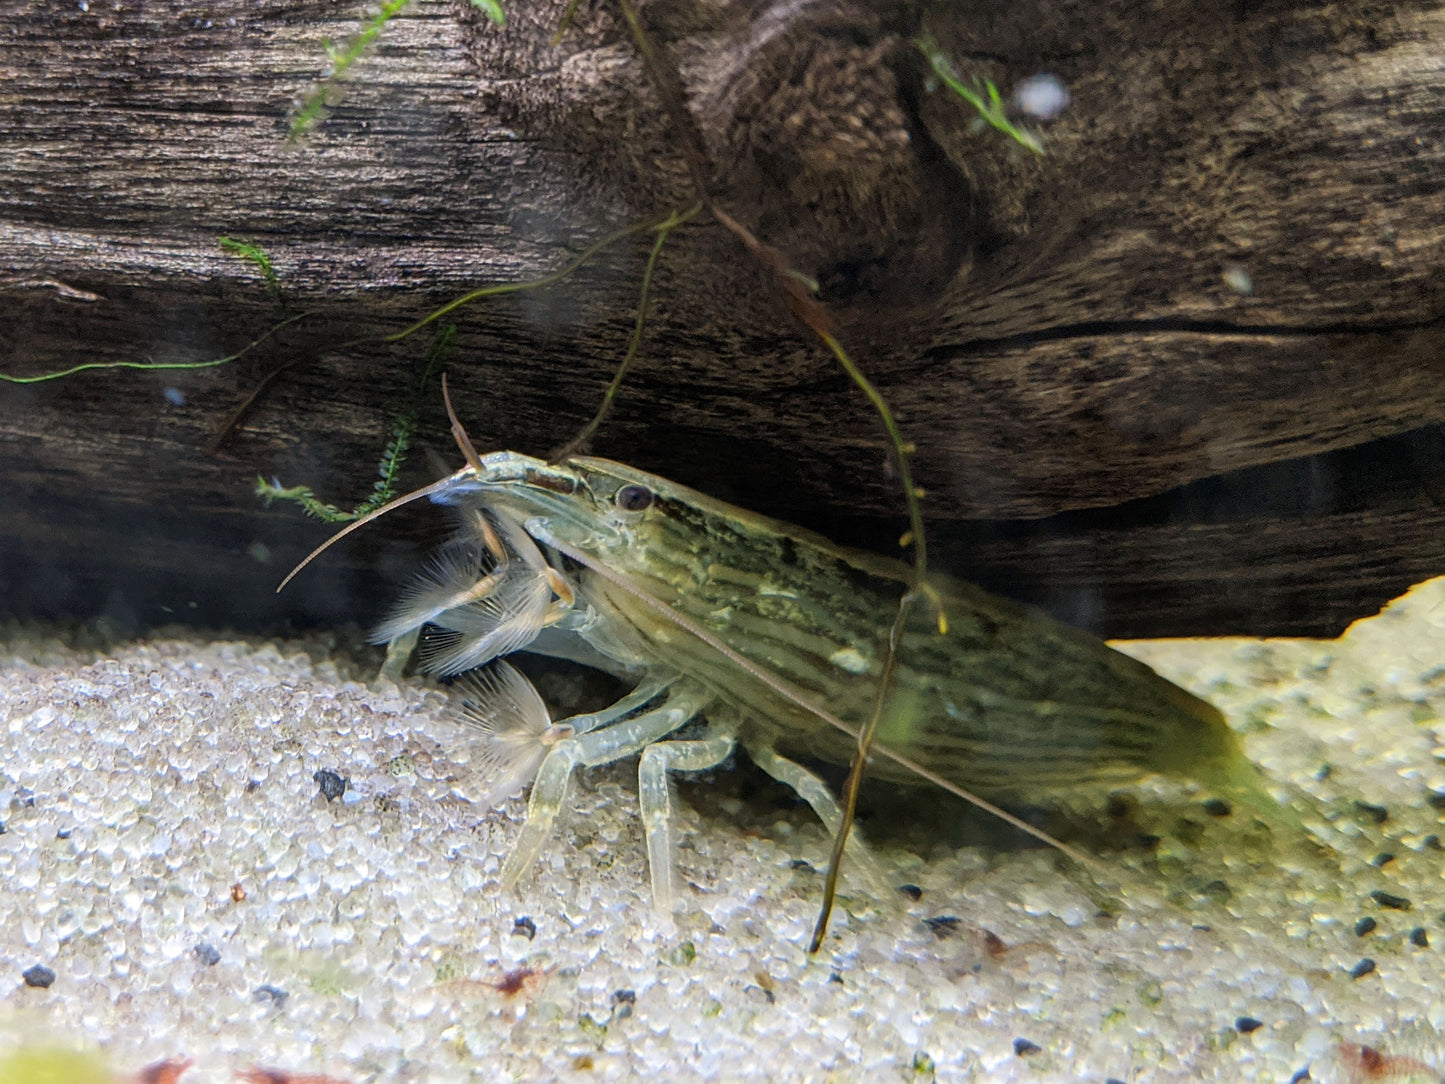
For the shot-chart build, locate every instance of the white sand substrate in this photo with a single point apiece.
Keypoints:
(169, 855)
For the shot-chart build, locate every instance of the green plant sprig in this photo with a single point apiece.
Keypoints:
(319, 99)
(383, 490)
(493, 10)
(987, 100)
(256, 256)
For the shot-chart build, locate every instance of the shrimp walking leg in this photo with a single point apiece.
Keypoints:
(655, 798)
(398, 652)
(599, 746)
(593, 720)
(816, 793)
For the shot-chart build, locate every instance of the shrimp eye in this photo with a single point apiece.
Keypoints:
(634, 498)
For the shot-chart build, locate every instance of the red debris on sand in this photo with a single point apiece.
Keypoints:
(164, 1072)
(516, 981)
(1365, 1063)
(519, 980)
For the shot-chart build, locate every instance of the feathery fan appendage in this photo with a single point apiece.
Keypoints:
(472, 635)
(456, 574)
(514, 731)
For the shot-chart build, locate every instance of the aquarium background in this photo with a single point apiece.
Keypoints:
(1154, 295)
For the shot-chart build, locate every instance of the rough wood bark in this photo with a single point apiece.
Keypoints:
(1102, 422)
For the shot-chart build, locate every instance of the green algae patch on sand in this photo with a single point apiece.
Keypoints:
(52, 1065)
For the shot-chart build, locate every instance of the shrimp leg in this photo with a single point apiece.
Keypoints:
(600, 746)
(655, 798)
(816, 793)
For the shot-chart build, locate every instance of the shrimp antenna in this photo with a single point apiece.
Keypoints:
(459, 432)
(474, 466)
(425, 491)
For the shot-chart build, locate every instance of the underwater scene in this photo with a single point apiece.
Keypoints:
(856, 540)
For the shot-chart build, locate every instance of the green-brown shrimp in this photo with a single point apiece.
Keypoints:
(769, 636)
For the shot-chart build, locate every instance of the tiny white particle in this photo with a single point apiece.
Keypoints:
(1238, 279)
(1042, 96)
(849, 659)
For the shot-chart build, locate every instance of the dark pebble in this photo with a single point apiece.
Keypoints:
(943, 926)
(1437, 799)
(1394, 903)
(1300, 1076)
(913, 892)
(1384, 858)
(332, 785)
(1364, 926)
(1023, 1048)
(1363, 968)
(1377, 813)
(274, 994)
(835, 977)
(524, 927)
(3, 829)
(1218, 807)
(38, 976)
(1419, 938)
(64, 833)
(207, 954)
(624, 997)
(760, 995)
(1217, 892)
(1246, 1024)
(1429, 843)
(801, 864)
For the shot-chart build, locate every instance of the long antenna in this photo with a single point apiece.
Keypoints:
(425, 491)
(473, 467)
(459, 431)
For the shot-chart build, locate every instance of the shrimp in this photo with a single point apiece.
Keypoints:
(770, 637)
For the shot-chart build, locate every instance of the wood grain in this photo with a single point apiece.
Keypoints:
(1104, 424)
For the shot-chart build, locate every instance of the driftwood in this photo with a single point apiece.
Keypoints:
(1181, 374)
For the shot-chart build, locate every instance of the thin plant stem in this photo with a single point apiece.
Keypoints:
(901, 450)
(156, 365)
(634, 343)
(564, 22)
(855, 773)
(498, 289)
(806, 308)
(895, 636)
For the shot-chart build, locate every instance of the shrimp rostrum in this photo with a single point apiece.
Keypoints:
(749, 631)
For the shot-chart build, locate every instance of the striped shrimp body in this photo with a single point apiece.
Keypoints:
(770, 637)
